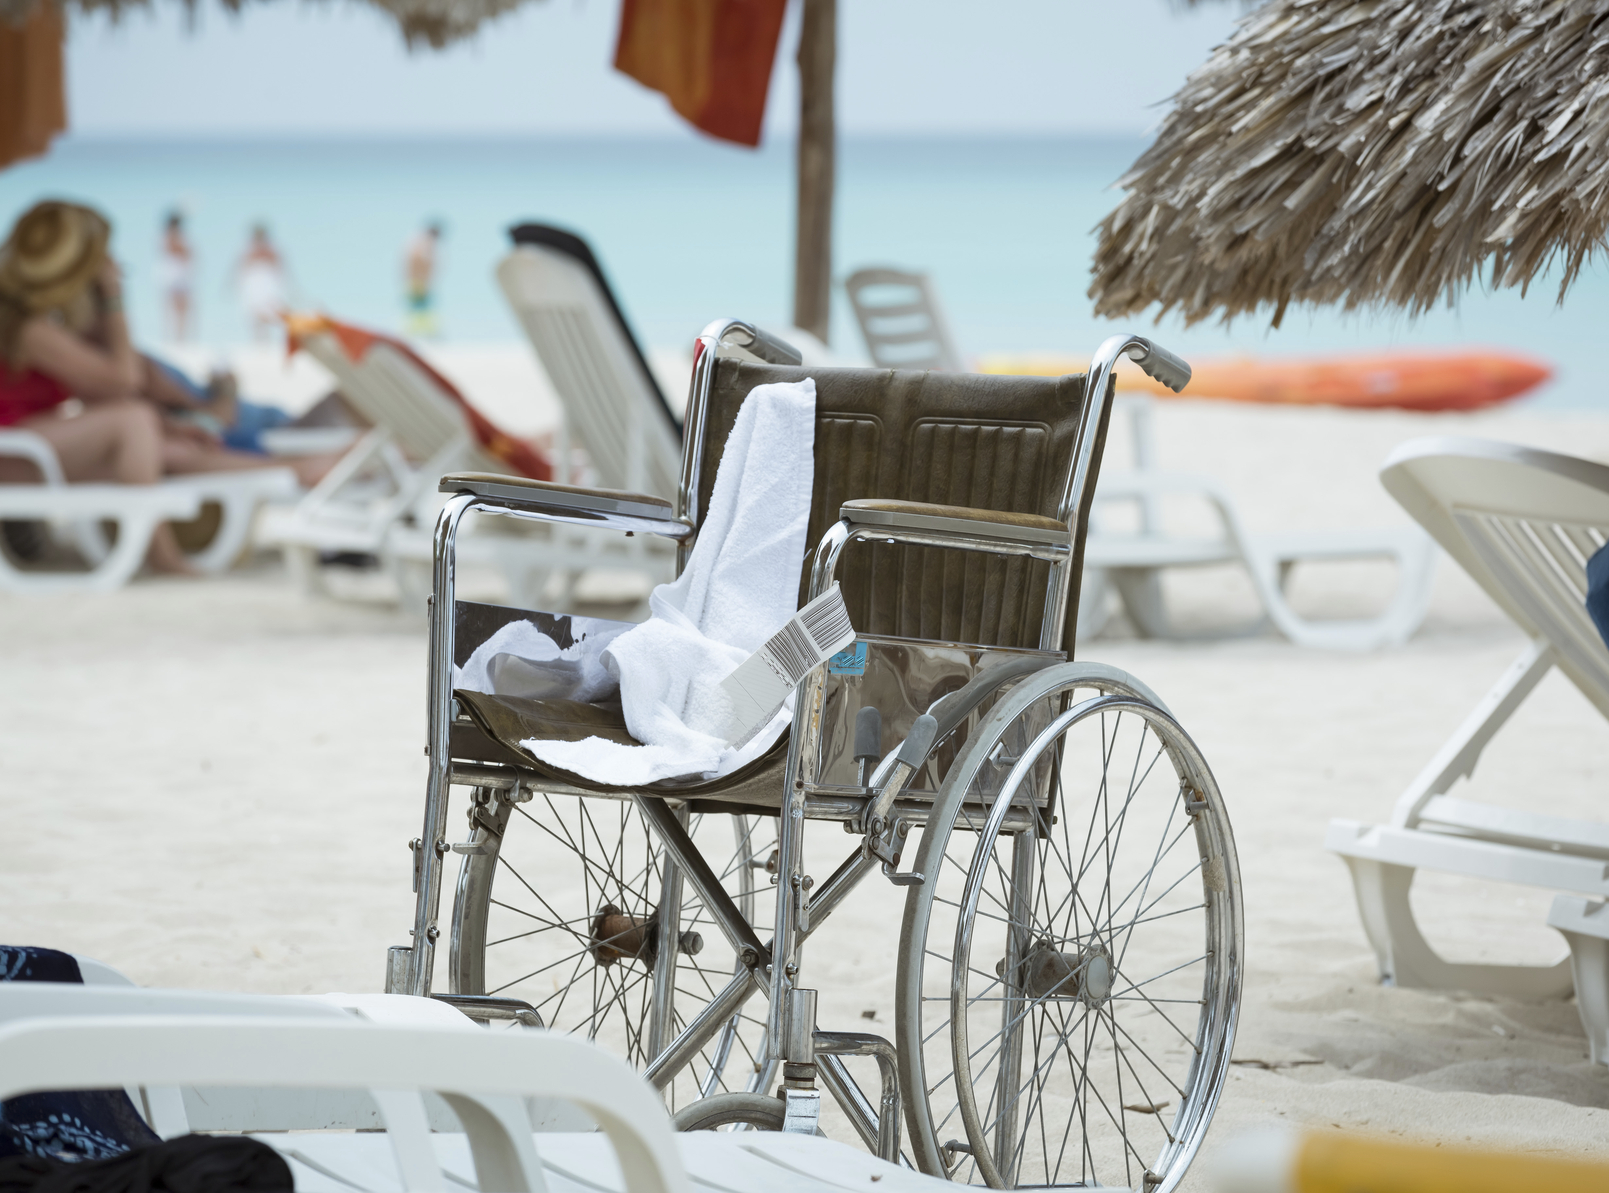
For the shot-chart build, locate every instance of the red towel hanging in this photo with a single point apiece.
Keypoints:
(711, 58)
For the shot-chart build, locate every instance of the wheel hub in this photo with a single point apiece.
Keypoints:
(616, 936)
(1049, 972)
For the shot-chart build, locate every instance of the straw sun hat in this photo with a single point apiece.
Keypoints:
(52, 255)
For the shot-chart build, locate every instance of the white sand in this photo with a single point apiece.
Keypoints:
(212, 784)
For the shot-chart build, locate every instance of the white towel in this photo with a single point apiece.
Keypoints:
(740, 585)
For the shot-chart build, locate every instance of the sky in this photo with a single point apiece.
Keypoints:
(918, 67)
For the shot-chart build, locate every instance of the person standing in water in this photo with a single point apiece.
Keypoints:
(176, 276)
(260, 281)
(419, 271)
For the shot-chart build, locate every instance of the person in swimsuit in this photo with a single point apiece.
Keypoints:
(419, 270)
(260, 280)
(176, 274)
(63, 336)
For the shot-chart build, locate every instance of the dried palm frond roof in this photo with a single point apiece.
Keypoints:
(1373, 153)
(436, 23)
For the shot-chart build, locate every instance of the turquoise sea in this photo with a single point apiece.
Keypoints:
(690, 230)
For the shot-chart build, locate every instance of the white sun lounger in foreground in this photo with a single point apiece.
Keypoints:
(77, 511)
(57, 1037)
(1523, 524)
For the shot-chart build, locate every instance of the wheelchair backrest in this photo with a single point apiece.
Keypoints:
(985, 442)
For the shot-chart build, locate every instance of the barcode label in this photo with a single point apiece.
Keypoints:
(827, 620)
(793, 651)
(759, 686)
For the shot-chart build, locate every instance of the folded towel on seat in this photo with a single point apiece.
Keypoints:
(740, 585)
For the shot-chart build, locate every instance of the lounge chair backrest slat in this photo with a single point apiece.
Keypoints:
(428, 418)
(1523, 523)
(1550, 591)
(611, 402)
(998, 443)
(388, 390)
(900, 320)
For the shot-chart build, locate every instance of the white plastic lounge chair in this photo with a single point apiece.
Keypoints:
(77, 512)
(612, 404)
(1133, 560)
(900, 319)
(380, 499)
(1522, 523)
(71, 1037)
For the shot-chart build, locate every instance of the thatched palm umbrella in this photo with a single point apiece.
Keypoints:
(1374, 153)
(430, 22)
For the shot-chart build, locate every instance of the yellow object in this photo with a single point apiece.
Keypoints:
(1335, 1163)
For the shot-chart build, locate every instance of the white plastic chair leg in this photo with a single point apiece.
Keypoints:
(1457, 757)
(1406, 958)
(1094, 603)
(302, 563)
(134, 530)
(499, 1133)
(1585, 924)
(408, 1129)
(1141, 592)
(1268, 560)
(234, 527)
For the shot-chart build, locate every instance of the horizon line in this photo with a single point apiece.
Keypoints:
(200, 136)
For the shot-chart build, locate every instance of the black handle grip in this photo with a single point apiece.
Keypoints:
(868, 734)
(1160, 364)
(769, 348)
(913, 752)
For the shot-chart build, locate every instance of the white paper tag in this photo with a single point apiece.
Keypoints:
(762, 681)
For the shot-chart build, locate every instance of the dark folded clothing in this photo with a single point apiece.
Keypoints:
(70, 1125)
(189, 1164)
(1598, 591)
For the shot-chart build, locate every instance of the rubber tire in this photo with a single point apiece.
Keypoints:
(763, 1112)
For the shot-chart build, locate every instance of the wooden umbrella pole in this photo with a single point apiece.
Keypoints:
(812, 268)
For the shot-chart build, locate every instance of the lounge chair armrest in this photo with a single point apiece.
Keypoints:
(1028, 530)
(551, 502)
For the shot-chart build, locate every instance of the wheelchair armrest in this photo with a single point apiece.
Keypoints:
(544, 500)
(1026, 530)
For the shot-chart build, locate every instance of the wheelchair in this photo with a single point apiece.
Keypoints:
(1053, 846)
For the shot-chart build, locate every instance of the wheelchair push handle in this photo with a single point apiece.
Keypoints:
(763, 344)
(1160, 364)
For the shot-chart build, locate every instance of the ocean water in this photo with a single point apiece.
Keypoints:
(690, 230)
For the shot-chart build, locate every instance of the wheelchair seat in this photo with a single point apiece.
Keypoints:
(883, 438)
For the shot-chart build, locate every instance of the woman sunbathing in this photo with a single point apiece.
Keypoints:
(63, 335)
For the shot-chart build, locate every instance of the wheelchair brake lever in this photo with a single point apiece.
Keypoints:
(883, 830)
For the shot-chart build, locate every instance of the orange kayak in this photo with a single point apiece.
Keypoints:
(1404, 381)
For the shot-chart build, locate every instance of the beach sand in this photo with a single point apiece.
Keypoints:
(211, 784)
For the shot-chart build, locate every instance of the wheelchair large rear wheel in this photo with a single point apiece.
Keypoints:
(563, 907)
(1070, 971)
